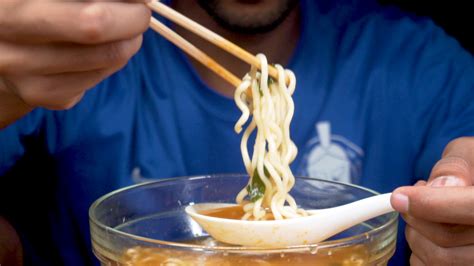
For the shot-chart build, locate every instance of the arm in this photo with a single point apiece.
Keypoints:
(53, 52)
(11, 252)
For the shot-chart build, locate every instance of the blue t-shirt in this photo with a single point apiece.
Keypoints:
(379, 95)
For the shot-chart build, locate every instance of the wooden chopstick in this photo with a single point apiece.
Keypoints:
(193, 51)
(210, 36)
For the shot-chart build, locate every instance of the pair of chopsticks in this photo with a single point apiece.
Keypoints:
(206, 34)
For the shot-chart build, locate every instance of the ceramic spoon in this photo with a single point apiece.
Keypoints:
(321, 224)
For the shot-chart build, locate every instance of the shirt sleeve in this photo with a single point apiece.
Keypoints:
(447, 70)
(13, 138)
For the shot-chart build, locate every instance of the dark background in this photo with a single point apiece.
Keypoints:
(453, 16)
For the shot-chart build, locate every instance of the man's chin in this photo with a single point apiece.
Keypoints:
(249, 16)
(249, 1)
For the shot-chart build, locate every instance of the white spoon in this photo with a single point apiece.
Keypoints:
(320, 225)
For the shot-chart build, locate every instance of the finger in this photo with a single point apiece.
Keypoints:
(431, 254)
(415, 261)
(81, 22)
(62, 58)
(417, 247)
(450, 172)
(59, 92)
(443, 235)
(420, 183)
(442, 205)
(457, 162)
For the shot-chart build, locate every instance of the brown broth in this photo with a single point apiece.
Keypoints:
(360, 254)
(355, 255)
(234, 213)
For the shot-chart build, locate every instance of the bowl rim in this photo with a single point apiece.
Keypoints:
(230, 249)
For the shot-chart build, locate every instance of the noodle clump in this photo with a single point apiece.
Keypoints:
(269, 104)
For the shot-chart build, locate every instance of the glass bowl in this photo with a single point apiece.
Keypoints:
(146, 225)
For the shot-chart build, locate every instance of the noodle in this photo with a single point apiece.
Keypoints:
(271, 108)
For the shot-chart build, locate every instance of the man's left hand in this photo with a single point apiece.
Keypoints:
(440, 213)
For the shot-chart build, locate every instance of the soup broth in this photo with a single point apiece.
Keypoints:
(234, 212)
(356, 255)
(340, 256)
(205, 255)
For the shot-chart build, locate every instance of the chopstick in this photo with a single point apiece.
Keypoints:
(193, 51)
(209, 35)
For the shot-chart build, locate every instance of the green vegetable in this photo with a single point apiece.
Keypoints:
(256, 188)
(260, 91)
(271, 81)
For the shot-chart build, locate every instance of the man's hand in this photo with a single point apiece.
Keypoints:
(51, 52)
(440, 213)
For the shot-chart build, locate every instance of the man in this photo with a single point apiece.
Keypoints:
(379, 97)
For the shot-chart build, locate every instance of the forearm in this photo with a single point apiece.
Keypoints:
(11, 106)
(11, 252)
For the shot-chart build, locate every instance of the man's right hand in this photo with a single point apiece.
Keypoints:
(51, 52)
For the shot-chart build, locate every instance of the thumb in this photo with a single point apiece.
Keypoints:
(450, 172)
(435, 204)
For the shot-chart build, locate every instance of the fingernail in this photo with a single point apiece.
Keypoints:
(447, 181)
(400, 202)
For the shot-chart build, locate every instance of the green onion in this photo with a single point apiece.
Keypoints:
(271, 81)
(260, 91)
(256, 188)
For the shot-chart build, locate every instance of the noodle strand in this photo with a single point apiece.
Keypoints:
(271, 108)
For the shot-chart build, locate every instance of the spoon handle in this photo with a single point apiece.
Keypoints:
(343, 217)
(373, 206)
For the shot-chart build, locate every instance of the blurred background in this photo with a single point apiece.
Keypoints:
(455, 17)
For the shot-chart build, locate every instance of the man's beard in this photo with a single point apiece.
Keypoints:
(248, 21)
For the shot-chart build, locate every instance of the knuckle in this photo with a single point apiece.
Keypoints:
(444, 240)
(68, 104)
(93, 22)
(137, 44)
(118, 53)
(146, 19)
(410, 235)
(68, 101)
(415, 261)
(8, 86)
(36, 97)
(31, 97)
(439, 257)
(62, 104)
(431, 253)
(451, 235)
(6, 12)
(7, 58)
(46, 97)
